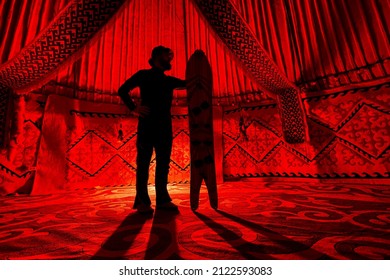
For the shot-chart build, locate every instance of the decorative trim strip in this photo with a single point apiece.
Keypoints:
(350, 116)
(13, 173)
(65, 36)
(113, 115)
(354, 90)
(364, 175)
(236, 34)
(102, 167)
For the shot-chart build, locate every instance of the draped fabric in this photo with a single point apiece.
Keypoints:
(58, 44)
(323, 44)
(317, 44)
(21, 21)
(231, 28)
(125, 47)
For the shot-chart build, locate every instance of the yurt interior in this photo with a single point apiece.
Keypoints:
(289, 160)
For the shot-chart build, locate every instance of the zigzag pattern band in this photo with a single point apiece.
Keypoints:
(233, 31)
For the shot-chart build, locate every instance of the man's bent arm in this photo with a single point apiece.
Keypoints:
(124, 90)
(178, 83)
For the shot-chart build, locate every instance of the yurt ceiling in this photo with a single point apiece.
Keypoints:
(317, 45)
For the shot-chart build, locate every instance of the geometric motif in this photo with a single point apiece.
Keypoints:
(94, 148)
(342, 159)
(180, 157)
(233, 31)
(282, 154)
(292, 116)
(336, 114)
(353, 143)
(265, 138)
(102, 150)
(16, 172)
(372, 128)
(74, 27)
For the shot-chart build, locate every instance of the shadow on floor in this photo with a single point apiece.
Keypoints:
(278, 243)
(117, 245)
(162, 242)
(247, 250)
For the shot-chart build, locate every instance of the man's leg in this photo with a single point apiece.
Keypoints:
(144, 155)
(163, 150)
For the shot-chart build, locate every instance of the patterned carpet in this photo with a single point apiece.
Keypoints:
(256, 220)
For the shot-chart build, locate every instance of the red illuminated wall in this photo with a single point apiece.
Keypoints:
(85, 144)
(101, 150)
(349, 134)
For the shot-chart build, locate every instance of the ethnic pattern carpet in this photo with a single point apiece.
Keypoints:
(255, 220)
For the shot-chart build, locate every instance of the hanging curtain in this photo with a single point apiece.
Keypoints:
(268, 21)
(323, 44)
(58, 45)
(21, 21)
(238, 37)
(125, 46)
(316, 44)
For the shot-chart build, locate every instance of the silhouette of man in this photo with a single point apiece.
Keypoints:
(154, 126)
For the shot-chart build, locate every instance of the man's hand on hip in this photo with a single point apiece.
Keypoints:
(141, 111)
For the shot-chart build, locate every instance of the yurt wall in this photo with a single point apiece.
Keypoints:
(339, 57)
(348, 138)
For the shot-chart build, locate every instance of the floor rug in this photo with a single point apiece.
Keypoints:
(255, 220)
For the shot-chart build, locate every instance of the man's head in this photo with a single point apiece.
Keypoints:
(161, 57)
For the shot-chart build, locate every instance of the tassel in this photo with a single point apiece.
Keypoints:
(120, 133)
